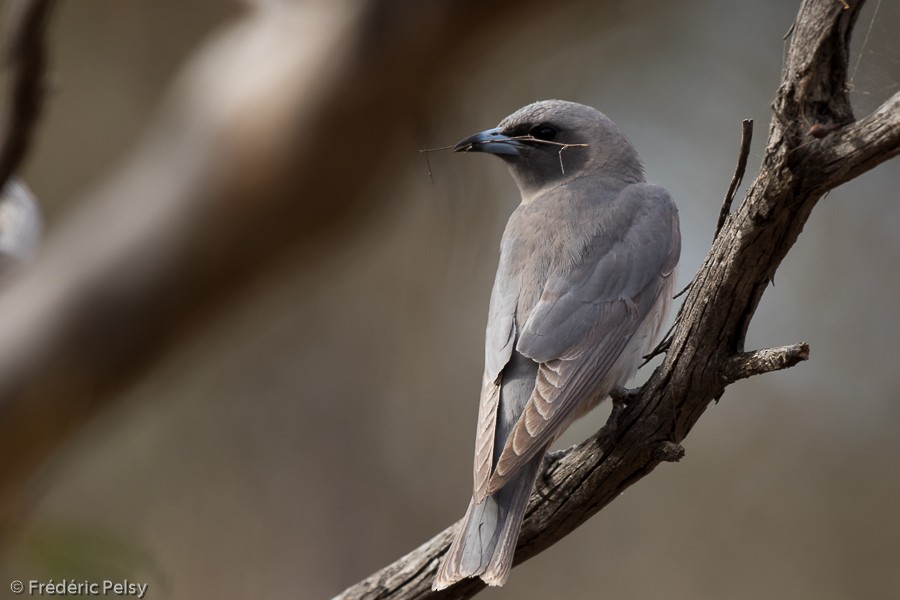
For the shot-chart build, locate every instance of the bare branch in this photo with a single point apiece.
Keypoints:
(743, 154)
(26, 58)
(758, 362)
(860, 146)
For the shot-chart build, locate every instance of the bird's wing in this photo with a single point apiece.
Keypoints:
(587, 314)
(500, 339)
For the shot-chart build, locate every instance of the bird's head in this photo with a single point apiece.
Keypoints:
(553, 141)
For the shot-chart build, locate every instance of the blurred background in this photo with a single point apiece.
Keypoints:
(323, 426)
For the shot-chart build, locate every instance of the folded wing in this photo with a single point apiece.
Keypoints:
(586, 316)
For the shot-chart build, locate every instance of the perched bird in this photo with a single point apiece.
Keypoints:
(585, 280)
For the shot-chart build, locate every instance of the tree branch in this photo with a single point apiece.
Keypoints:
(856, 148)
(26, 62)
(705, 353)
(758, 362)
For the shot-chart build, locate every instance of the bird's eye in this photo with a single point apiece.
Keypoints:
(543, 132)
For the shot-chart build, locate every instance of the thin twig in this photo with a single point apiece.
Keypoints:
(516, 138)
(425, 151)
(26, 59)
(788, 33)
(768, 360)
(666, 341)
(746, 138)
(683, 291)
(532, 139)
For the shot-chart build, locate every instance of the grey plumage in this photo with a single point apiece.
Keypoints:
(587, 267)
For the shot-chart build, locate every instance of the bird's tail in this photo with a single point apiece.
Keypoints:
(485, 544)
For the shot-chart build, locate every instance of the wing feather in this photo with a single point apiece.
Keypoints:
(484, 437)
(500, 337)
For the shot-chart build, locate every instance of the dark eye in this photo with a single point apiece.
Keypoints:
(543, 132)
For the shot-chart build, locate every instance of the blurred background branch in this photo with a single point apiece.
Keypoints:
(268, 141)
(24, 50)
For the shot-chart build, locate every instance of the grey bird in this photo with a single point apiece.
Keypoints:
(585, 280)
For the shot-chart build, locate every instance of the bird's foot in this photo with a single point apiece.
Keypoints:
(621, 397)
(545, 483)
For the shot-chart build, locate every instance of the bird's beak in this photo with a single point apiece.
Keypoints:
(490, 141)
